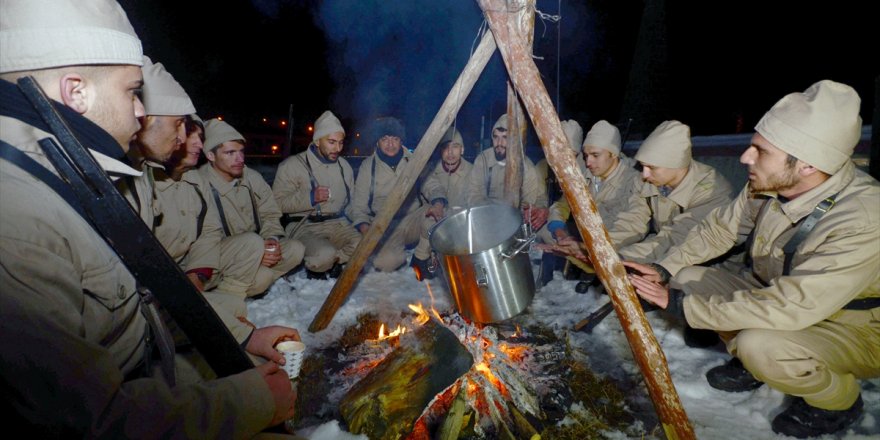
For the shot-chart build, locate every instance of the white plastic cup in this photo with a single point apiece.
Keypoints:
(293, 352)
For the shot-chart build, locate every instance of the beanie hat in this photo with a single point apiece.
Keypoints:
(326, 124)
(452, 135)
(668, 146)
(574, 133)
(162, 94)
(387, 126)
(218, 132)
(41, 34)
(605, 136)
(820, 126)
(500, 123)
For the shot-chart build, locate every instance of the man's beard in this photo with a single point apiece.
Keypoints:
(777, 183)
(500, 156)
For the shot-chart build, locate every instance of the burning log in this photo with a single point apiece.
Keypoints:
(454, 420)
(387, 402)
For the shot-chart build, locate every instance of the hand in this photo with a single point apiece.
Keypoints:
(272, 253)
(645, 271)
(363, 228)
(321, 194)
(194, 278)
(568, 247)
(282, 392)
(263, 341)
(561, 234)
(537, 216)
(437, 211)
(653, 292)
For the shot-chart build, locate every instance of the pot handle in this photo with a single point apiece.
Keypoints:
(482, 275)
(521, 247)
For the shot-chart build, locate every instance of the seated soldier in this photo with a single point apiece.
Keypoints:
(486, 181)
(804, 316)
(376, 178)
(445, 189)
(314, 188)
(249, 215)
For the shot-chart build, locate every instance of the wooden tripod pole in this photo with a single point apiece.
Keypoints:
(522, 24)
(460, 91)
(647, 352)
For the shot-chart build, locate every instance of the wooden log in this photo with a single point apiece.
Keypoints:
(452, 423)
(445, 116)
(387, 402)
(647, 352)
(523, 427)
(524, 24)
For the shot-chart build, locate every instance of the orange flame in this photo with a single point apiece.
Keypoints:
(431, 294)
(515, 353)
(397, 332)
(422, 315)
(483, 367)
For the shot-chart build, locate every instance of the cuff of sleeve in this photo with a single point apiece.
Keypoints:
(554, 226)
(204, 273)
(675, 308)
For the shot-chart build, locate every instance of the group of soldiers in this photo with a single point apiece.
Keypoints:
(798, 307)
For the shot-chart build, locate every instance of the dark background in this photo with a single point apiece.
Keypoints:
(716, 66)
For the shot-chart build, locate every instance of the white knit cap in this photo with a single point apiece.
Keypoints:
(218, 132)
(605, 136)
(41, 34)
(451, 135)
(501, 122)
(162, 94)
(820, 126)
(668, 146)
(574, 133)
(326, 124)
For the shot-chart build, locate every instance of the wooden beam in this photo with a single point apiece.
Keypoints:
(405, 182)
(523, 24)
(647, 352)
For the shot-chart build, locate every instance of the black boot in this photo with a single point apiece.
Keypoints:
(423, 268)
(336, 270)
(312, 275)
(732, 377)
(802, 420)
(700, 338)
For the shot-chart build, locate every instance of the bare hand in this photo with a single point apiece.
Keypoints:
(271, 253)
(437, 211)
(263, 340)
(194, 278)
(363, 228)
(653, 292)
(537, 216)
(561, 234)
(321, 194)
(282, 392)
(568, 247)
(647, 272)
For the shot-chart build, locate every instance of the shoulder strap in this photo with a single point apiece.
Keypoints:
(806, 225)
(372, 186)
(220, 209)
(202, 212)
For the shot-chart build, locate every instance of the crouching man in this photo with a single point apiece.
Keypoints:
(804, 316)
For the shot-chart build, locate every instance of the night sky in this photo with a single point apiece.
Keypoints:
(716, 67)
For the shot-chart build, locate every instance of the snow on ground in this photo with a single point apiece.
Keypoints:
(715, 414)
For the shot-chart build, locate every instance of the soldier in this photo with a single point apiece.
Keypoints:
(316, 187)
(486, 181)
(73, 337)
(803, 316)
(249, 215)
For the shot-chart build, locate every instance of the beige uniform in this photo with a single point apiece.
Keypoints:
(449, 188)
(486, 182)
(249, 215)
(67, 300)
(670, 218)
(328, 235)
(613, 196)
(375, 181)
(792, 331)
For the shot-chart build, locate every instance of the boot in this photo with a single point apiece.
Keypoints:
(423, 268)
(312, 275)
(336, 270)
(802, 420)
(732, 377)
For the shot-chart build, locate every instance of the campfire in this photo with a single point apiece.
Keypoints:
(440, 376)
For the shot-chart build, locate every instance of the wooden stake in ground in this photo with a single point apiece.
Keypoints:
(560, 157)
(460, 90)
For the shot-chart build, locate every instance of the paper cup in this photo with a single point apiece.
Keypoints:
(293, 352)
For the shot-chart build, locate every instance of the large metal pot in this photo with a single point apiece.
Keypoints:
(484, 255)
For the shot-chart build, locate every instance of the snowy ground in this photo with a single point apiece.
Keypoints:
(715, 414)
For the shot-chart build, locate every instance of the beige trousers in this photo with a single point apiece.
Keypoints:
(411, 229)
(241, 271)
(819, 363)
(327, 243)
